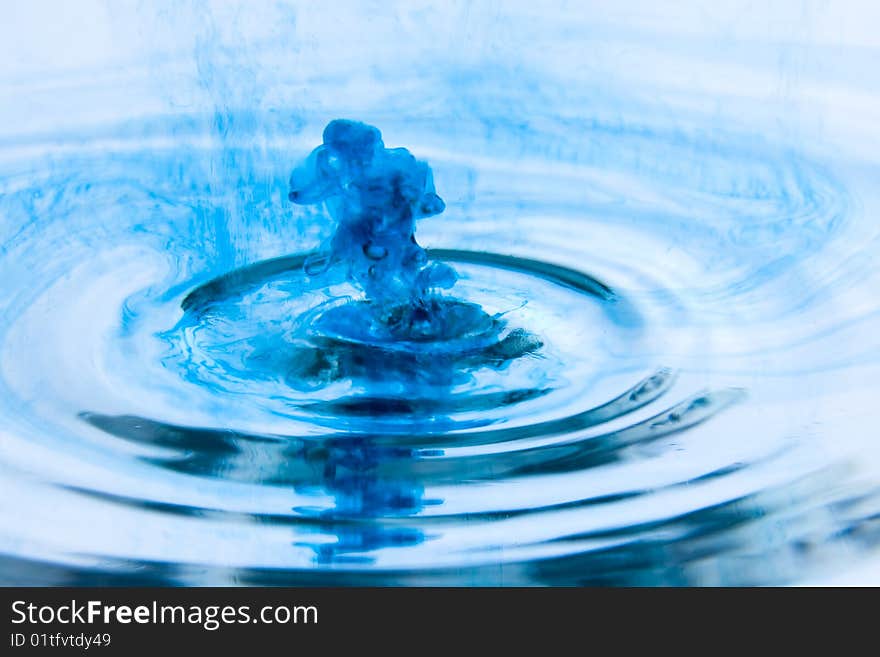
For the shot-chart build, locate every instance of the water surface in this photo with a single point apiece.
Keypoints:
(673, 383)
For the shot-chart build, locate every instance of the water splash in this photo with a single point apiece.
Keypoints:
(376, 195)
(367, 309)
(674, 365)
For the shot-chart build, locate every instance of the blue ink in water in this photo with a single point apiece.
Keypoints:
(397, 331)
(376, 194)
(371, 311)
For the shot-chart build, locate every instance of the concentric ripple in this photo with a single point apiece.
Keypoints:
(653, 394)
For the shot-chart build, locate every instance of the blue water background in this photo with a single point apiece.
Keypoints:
(713, 169)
